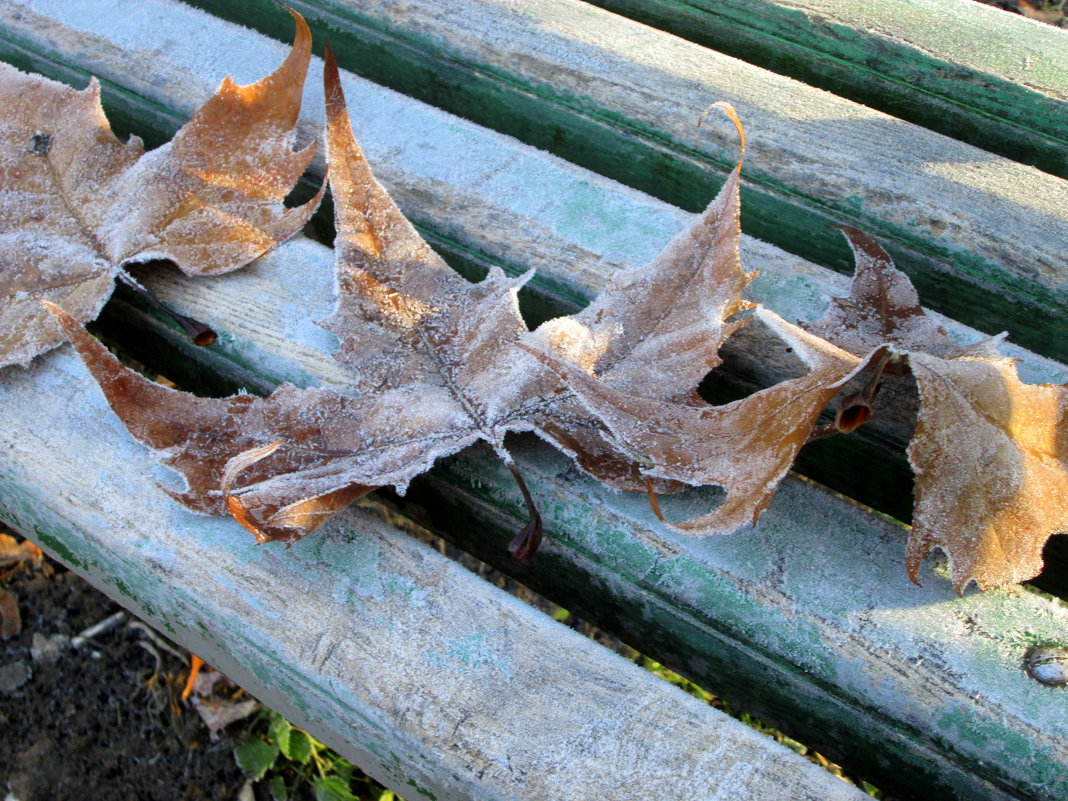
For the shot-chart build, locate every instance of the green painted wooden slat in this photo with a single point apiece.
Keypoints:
(995, 80)
(605, 93)
(516, 208)
(893, 660)
(423, 674)
(808, 619)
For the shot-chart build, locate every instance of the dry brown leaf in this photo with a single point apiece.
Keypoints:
(746, 447)
(991, 460)
(205, 438)
(218, 713)
(431, 376)
(653, 332)
(990, 453)
(436, 365)
(656, 331)
(76, 204)
(882, 308)
(409, 325)
(13, 552)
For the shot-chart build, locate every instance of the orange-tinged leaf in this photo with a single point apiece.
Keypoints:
(654, 331)
(405, 320)
(990, 453)
(13, 552)
(991, 460)
(436, 370)
(746, 446)
(76, 204)
(201, 437)
(436, 366)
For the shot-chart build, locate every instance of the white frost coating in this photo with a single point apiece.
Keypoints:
(569, 223)
(866, 621)
(835, 601)
(465, 693)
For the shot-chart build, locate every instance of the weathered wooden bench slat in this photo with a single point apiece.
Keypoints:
(434, 681)
(996, 80)
(623, 99)
(797, 616)
(808, 617)
(508, 205)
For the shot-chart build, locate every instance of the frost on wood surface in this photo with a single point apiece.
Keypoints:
(313, 609)
(440, 363)
(76, 204)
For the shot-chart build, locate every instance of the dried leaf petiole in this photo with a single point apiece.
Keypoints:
(198, 332)
(525, 544)
(855, 410)
(654, 504)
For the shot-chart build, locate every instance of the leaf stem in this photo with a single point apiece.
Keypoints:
(198, 332)
(525, 544)
(821, 432)
(653, 502)
(855, 410)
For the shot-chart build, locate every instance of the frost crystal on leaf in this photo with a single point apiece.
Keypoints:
(76, 204)
(439, 363)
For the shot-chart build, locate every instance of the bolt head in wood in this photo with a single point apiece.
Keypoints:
(1047, 664)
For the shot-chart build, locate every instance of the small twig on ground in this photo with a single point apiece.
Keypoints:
(159, 641)
(195, 664)
(105, 625)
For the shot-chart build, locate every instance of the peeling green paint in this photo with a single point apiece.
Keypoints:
(959, 284)
(57, 546)
(988, 750)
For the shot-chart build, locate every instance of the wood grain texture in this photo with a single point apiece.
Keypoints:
(938, 676)
(995, 80)
(807, 618)
(972, 229)
(983, 237)
(434, 681)
(481, 198)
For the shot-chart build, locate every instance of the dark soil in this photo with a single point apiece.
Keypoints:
(103, 726)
